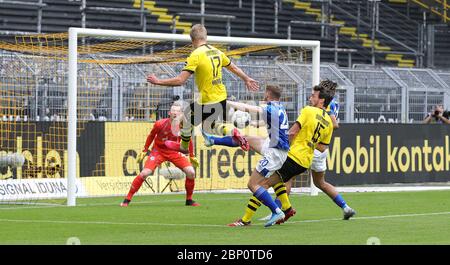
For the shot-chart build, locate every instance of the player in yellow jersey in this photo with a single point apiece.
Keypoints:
(319, 166)
(206, 63)
(311, 135)
(311, 131)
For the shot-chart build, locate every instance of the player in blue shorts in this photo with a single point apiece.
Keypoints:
(273, 149)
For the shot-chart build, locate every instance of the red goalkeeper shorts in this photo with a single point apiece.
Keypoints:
(156, 157)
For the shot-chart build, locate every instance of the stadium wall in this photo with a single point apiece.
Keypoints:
(363, 154)
(360, 154)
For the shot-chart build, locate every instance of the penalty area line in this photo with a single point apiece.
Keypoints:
(103, 223)
(213, 225)
(115, 203)
(370, 217)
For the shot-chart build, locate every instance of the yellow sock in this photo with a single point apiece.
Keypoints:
(280, 191)
(223, 129)
(250, 210)
(184, 144)
(186, 137)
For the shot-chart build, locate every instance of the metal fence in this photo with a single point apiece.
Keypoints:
(35, 89)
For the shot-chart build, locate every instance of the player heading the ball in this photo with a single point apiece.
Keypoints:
(206, 63)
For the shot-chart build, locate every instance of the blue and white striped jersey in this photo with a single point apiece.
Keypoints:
(276, 119)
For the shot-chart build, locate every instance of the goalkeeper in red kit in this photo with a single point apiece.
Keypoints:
(166, 130)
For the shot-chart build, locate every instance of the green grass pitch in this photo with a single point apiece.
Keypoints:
(394, 218)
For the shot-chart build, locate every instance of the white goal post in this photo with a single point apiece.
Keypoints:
(76, 33)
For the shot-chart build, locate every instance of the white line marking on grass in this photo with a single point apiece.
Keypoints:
(163, 201)
(402, 215)
(103, 223)
(30, 207)
(114, 203)
(370, 217)
(212, 225)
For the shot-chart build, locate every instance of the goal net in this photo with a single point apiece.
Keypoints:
(76, 109)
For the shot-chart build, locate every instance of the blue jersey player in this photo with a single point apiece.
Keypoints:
(273, 148)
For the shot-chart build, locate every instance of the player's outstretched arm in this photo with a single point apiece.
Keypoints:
(244, 107)
(250, 83)
(258, 123)
(151, 136)
(175, 81)
(148, 142)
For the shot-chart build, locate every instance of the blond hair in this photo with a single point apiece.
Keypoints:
(198, 32)
(178, 103)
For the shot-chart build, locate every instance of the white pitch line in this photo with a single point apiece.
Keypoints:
(30, 207)
(149, 202)
(371, 217)
(402, 215)
(214, 225)
(104, 223)
(112, 203)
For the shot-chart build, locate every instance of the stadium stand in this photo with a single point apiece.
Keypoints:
(423, 12)
(399, 40)
(442, 46)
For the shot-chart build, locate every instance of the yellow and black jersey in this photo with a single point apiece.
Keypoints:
(206, 63)
(316, 127)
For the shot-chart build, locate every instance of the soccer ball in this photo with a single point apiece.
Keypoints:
(241, 119)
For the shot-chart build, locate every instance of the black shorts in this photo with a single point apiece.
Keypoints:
(290, 169)
(215, 113)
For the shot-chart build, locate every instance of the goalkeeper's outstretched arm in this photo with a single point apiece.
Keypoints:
(148, 142)
(150, 137)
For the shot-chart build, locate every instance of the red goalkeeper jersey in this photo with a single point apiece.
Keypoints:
(162, 131)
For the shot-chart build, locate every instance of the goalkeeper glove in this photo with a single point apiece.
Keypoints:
(141, 157)
(194, 161)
